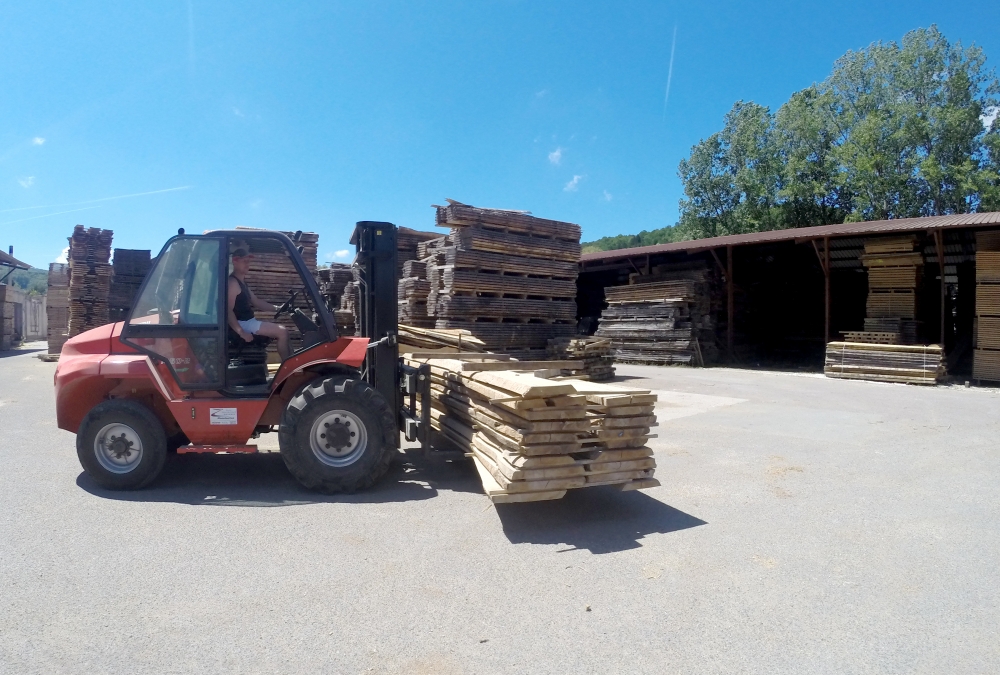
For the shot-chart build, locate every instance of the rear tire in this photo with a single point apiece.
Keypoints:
(121, 445)
(337, 435)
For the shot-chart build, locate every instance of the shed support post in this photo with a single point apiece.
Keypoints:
(826, 289)
(730, 309)
(939, 245)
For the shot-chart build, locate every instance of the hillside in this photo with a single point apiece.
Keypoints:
(33, 280)
(662, 235)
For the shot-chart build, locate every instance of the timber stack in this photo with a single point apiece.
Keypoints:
(660, 322)
(128, 269)
(408, 243)
(346, 316)
(89, 278)
(595, 355)
(507, 277)
(534, 439)
(334, 282)
(907, 364)
(57, 307)
(894, 273)
(412, 294)
(986, 358)
(273, 274)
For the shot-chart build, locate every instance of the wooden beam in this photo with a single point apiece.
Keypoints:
(939, 245)
(730, 309)
(826, 288)
(718, 262)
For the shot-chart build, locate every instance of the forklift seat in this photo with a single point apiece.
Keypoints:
(247, 361)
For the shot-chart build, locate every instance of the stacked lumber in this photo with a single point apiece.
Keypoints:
(407, 246)
(273, 275)
(506, 276)
(986, 358)
(908, 364)
(651, 322)
(128, 269)
(414, 339)
(894, 274)
(412, 294)
(533, 439)
(334, 283)
(904, 331)
(596, 356)
(57, 306)
(89, 278)
(346, 316)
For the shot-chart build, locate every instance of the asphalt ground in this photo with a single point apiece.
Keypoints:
(804, 525)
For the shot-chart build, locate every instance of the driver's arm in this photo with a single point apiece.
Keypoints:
(261, 305)
(234, 290)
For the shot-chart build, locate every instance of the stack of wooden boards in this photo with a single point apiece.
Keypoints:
(273, 275)
(533, 439)
(986, 359)
(408, 247)
(128, 269)
(412, 294)
(333, 282)
(661, 322)
(596, 356)
(506, 276)
(907, 364)
(894, 269)
(89, 278)
(57, 307)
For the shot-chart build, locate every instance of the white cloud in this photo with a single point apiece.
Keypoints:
(574, 184)
(343, 253)
(542, 93)
(63, 257)
(26, 182)
(988, 116)
(555, 157)
(38, 140)
(238, 112)
(608, 196)
(256, 204)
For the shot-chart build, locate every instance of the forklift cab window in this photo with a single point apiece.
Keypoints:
(176, 317)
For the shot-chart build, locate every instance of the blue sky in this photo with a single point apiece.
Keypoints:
(313, 115)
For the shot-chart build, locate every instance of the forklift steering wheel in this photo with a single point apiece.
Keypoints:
(289, 305)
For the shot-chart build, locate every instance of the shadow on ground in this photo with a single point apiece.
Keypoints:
(599, 519)
(21, 352)
(261, 480)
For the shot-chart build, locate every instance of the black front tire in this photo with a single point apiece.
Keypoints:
(121, 445)
(354, 469)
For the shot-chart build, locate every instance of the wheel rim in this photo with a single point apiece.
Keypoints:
(118, 448)
(338, 438)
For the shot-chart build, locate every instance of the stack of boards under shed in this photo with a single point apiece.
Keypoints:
(57, 306)
(273, 275)
(906, 364)
(533, 439)
(595, 355)
(333, 281)
(89, 278)
(986, 359)
(128, 270)
(660, 322)
(507, 277)
(895, 268)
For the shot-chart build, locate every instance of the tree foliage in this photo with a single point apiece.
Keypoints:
(895, 131)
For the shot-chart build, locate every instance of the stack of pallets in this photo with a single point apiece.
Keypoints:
(128, 270)
(533, 439)
(89, 278)
(412, 293)
(273, 275)
(57, 306)
(986, 359)
(894, 273)
(907, 364)
(652, 323)
(595, 355)
(507, 277)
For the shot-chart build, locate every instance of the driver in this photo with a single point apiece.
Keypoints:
(242, 302)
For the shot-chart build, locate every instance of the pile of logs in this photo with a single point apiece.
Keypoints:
(128, 269)
(507, 277)
(596, 356)
(57, 306)
(533, 439)
(986, 358)
(89, 278)
(908, 364)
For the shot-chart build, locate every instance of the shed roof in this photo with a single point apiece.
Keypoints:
(894, 226)
(11, 261)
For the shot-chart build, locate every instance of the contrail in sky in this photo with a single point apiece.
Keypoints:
(87, 208)
(95, 201)
(670, 72)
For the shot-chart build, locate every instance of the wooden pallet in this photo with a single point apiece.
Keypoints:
(872, 337)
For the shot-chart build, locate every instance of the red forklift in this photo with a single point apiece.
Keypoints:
(174, 377)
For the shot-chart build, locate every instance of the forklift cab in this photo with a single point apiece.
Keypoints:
(180, 315)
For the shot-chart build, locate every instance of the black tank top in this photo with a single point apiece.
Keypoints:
(242, 308)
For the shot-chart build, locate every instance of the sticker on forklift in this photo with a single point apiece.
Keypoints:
(222, 415)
